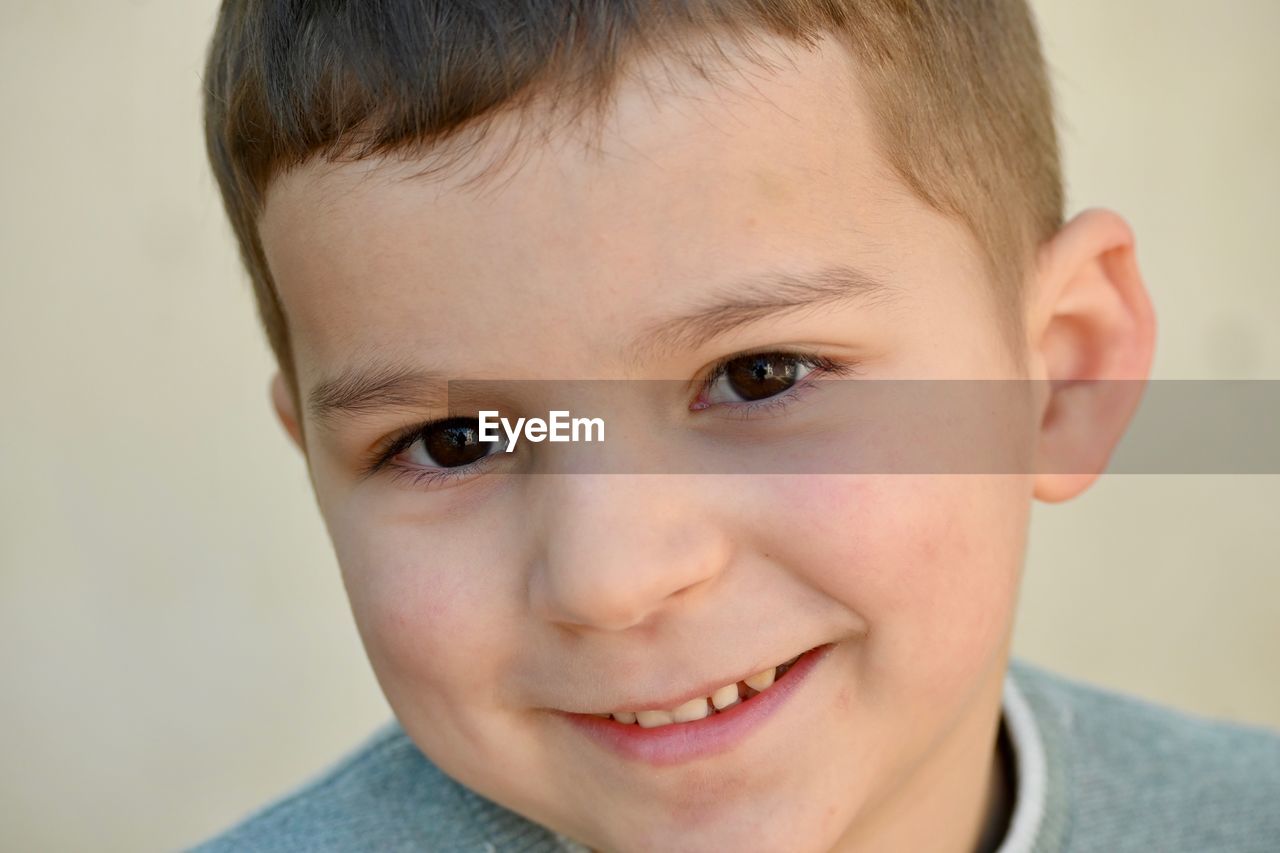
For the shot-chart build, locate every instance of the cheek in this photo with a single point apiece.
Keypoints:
(429, 608)
(929, 564)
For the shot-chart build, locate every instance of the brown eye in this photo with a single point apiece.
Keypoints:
(455, 442)
(758, 377)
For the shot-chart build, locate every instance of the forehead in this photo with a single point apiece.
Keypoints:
(577, 240)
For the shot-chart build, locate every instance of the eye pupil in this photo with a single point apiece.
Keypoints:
(756, 377)
(455, 442)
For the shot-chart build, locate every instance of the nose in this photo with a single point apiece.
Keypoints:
(617, 550)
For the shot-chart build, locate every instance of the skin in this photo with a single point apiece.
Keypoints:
(488, 602)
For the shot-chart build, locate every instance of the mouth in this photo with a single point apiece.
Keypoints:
(714, 701)
(700, 727)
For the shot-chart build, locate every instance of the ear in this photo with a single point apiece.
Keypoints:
(286, 411)
(1091, 330)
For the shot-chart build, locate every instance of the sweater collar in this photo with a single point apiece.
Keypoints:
(1039, 734)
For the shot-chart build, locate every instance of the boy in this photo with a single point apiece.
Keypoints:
(736, 200)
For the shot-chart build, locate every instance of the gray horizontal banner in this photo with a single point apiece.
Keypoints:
(871, 426)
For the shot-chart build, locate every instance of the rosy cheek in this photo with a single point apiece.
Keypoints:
(958, 573)
(916, 559)
(864, 539)
(412, 605)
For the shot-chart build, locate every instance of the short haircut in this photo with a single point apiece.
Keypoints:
(961, 103)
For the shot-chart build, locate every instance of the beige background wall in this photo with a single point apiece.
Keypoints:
(174, 643)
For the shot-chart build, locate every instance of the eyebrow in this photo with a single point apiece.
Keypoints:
(378, 386)
(374, 387)
(749, 300)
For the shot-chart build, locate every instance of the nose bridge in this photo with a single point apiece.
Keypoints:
(619, 548)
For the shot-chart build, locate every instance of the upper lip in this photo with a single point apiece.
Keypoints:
(709, 687)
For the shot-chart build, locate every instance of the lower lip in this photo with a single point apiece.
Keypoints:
(719, 732)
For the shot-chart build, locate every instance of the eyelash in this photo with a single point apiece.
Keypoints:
(819, 365)
(381, 458)
(427, 478)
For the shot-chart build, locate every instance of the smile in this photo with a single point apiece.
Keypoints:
(705, 725)
(696, 709)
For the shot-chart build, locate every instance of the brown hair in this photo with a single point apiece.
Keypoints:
(958, 88)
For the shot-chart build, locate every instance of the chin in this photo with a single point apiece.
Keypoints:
(765, 831)
(711, 818)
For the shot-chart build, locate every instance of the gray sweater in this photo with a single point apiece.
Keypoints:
(1097, 772)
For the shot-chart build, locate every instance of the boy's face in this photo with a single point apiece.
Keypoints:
(496, 610)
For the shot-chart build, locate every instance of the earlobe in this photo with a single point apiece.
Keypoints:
(1092, 327)
(286, 412)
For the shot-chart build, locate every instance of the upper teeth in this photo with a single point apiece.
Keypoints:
(695, 709)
